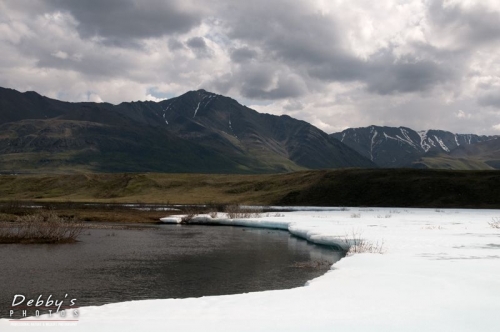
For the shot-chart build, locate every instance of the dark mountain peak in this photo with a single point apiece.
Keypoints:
(32, 93)
(191, 104)
(197, 94)
(204, 92)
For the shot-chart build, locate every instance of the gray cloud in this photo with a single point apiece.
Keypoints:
(294, 105)
(490, 99)
(243, 54)
(174, 44)
(311, 45)
(197, 43)
(335, 64)
(119, 21)
(476, 24)
(199, 47)
(385, 75)
(285, 88)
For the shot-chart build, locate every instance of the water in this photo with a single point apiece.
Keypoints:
(159, 262)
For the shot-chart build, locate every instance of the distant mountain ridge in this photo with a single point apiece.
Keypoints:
(196, 132)
(395, 147)
(204, 132)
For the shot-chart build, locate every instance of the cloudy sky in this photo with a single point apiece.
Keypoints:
(335, 63)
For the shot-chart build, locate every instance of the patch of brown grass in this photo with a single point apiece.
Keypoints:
(237, 211)
(40, 228)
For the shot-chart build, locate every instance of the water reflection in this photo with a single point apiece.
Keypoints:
(161, 261)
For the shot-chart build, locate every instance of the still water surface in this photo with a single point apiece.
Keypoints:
(158, 262)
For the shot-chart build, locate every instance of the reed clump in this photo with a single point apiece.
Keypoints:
(43, 227)
(238, 211)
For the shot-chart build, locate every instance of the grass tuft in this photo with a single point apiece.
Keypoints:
(237, 211)
(495, 222)
(357, 244)
(45, 227)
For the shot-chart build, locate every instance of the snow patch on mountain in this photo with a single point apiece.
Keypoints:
(165, 113)
(400, 139)
(196, 110)
(423, 136)
(373, 143)
(407, 138)
(441, 143)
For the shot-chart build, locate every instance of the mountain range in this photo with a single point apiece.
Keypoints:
(204, 132)
(196, 132)
(391, 147)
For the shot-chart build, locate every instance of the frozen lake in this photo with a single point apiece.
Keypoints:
(438, 272)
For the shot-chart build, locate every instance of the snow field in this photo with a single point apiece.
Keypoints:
(440, 271)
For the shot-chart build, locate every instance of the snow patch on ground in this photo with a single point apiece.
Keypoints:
(439, 272)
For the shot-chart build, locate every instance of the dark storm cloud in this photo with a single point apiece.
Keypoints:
(384, 75)
(286, 30)
(490, 99)
(197, 43)
(174, 44)
(475, 24)
(285, 88)
(291, 38)
(314, 47)
(91, 64)
(119, 21)
(243, 54)
(338, 68)
(199, 46)
(260, 81)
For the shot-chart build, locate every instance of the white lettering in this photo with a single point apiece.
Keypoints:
(14, 301)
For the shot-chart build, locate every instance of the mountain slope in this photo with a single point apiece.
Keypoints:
(66, 145)
(283, 142)
(404, 147)
(196, 132)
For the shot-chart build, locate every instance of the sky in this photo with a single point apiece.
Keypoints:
(424, 64)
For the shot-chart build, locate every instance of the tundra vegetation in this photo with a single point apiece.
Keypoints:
(45, 227)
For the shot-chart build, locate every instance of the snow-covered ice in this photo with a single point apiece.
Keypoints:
(440, 271)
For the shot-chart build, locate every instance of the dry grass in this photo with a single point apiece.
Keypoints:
(238, 212)
(40, 228)
(495, 222)
(187, 217)
(357, 244)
